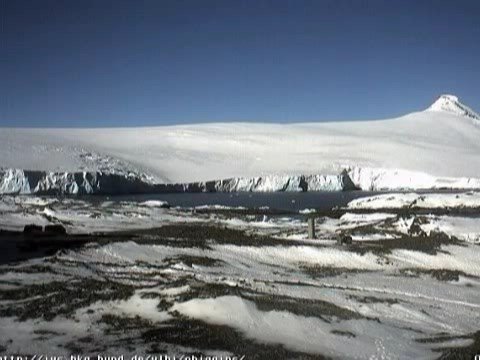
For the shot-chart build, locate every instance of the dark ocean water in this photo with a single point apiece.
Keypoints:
(286, 201)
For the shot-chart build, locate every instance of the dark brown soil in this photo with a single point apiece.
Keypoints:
(458, 353)
(60, 298)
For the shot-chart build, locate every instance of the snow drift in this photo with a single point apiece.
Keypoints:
(435, 148)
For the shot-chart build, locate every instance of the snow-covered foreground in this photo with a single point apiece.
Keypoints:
(217, 280)
(435, 148)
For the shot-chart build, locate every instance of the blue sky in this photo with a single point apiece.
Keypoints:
(132, 63)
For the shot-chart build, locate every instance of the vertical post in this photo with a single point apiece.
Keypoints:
(311, 228)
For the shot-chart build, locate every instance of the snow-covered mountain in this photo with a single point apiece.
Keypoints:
(451, 104)
(435, 148)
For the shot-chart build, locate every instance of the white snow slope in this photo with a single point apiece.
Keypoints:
(435, 148)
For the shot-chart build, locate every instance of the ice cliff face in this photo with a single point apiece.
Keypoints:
(16, 181)
(451, 104)
(273, 183)
(378, 179)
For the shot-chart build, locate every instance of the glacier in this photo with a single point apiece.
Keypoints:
(436, 148)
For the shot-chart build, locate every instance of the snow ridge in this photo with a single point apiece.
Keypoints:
(451, 104)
